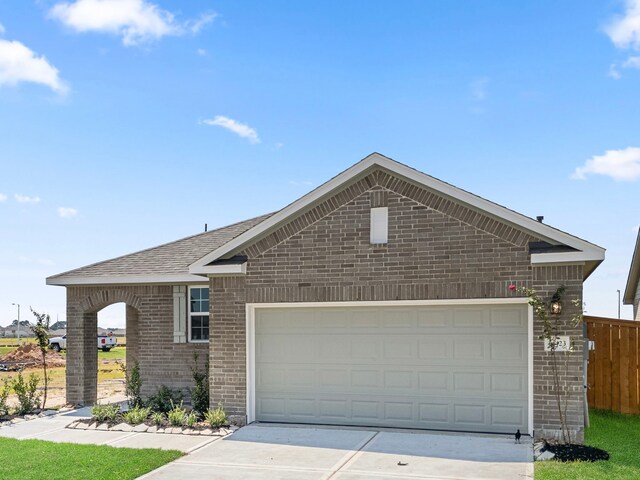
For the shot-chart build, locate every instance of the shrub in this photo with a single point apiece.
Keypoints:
(217, 417)
(176, 415)
(26, 391)
(105, 413)
(133, 384)
(164, 399)
(190, 419)
(200, 391)
(158, 418)
(136, 415)
(4, 394)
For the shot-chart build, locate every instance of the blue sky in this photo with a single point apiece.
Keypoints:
(129, 123)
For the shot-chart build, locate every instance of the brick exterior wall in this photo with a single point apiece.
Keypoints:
(545, 281)
(149, 338)
(437, 249)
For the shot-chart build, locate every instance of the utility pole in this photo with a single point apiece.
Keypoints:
(618, 304)
(18, 305)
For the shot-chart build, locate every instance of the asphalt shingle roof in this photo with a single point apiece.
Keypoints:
(168, 259)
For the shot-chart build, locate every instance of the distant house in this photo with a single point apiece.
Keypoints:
(61, 325)
(12, 331)
(632, 292)
(381, 298)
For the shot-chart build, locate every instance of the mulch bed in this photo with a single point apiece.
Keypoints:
(571, 453)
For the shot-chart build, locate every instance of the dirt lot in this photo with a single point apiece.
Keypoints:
(110, 377)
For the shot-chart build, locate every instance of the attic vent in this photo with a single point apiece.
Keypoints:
(379, 225)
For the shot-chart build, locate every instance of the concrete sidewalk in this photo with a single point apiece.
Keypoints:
(306, 453)
(54, 429)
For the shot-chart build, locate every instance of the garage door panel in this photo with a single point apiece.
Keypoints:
(509, 318)
(508, 383)
(434, 414)
(423, 367)
(399, 318)
(434, 318)
(434, 382)
(432, 348)
(508, 416)
(469, 383)
(469, 318)
(470, 415)
(365, 410)
(508, 350)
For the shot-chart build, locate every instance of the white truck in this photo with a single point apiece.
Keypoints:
(105, 343)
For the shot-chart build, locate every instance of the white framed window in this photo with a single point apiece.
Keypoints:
(379, 225)
(198, 314)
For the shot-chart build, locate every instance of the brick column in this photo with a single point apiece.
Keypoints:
(227, 349)
(133, 337)
(546, 281)
(82, 356)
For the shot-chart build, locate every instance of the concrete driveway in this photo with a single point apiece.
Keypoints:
(291, 452)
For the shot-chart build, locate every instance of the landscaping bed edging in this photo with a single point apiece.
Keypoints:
(144, 428)
(32, 416)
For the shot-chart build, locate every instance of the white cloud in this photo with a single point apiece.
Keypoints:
(194, 26)
(479, 89)
(613, 71)
(202, 52)
(621, 165)
(67, 212)
(632, 62)
(136, 21)
(241, 129)
(26, 199)
(624, 30)
(3, 197)
(2, 30)
(20, 64)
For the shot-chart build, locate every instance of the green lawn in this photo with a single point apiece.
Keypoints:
(37, 459)
(616, 433)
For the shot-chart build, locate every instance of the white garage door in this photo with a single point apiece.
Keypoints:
(451, 368)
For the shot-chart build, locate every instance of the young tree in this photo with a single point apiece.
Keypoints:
(550, 330)
(41, 331)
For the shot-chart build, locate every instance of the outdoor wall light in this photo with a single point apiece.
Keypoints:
(556, 307)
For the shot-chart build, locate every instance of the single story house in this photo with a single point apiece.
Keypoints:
(380, 298)
(632, 291)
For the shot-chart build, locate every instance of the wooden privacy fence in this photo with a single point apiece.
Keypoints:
(613, 372)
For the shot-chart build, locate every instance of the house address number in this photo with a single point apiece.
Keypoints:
(563, 344)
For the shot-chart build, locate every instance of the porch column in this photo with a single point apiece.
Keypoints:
(82, 356)
(133, 337)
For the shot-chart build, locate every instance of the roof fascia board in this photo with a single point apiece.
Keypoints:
(220, 270)
(591, 251)
(540, 259)
(634, 275)
(124, 280)
(282, 215)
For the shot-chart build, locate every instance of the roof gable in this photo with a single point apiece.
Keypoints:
(634, 275)
(580, 250)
